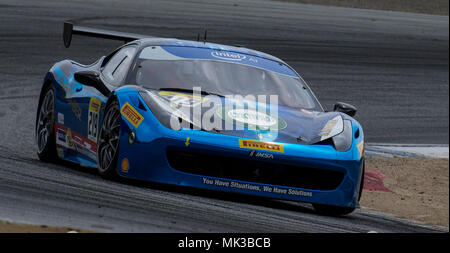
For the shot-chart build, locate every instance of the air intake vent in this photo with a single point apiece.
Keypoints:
(254, 171)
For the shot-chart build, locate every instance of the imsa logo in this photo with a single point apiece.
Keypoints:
(253, 153)
(268, 146)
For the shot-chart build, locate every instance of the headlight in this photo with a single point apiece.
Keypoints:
(332, 128)
(343, 141)
(165, 114)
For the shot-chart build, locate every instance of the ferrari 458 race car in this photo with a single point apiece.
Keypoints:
(199, 114)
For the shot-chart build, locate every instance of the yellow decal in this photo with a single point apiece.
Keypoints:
(69, 138)
(183, 99)
(269, 146)
(125, 165)
(94, 104)
(173, 93)
(131, 114)
(187, 142)
(361, 148)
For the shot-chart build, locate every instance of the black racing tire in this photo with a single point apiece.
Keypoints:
(45, 127)
(108, 141)
(333, 210)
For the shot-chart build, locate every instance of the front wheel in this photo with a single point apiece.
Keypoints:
(108, 144)
(333, 210)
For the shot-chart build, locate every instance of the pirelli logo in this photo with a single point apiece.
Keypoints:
(131, 114)
(268, 146)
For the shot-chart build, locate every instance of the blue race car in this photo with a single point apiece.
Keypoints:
(203, 115)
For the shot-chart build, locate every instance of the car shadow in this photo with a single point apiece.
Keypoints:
(280, 204)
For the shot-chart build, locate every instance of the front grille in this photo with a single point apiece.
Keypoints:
(254, 171)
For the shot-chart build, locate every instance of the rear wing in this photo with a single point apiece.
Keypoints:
(70, 28)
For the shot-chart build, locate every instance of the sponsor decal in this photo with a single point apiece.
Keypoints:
(251, 118)
(187, 142)
(60, 118)
(257, 188)
(70, 139)
(131, 114)
(253, 60)
(224, 55)
(93, 118)
(264, 155)
(61, 135)
(182, 99)
(125, 165)
(253, 153)
(261, 145)
(361, 149)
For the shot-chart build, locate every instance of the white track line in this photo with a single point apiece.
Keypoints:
(408, 150)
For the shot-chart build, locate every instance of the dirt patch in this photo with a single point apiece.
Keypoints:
(437, 7)
(7, 227)
(418, 189)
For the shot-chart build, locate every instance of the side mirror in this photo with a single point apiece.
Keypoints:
(92, 79)
(345, 108)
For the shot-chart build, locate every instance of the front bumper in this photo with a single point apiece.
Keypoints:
(151, 158)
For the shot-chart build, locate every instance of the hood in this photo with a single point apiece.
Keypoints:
(242, 117)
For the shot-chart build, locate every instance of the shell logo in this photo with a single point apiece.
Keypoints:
(125, 165)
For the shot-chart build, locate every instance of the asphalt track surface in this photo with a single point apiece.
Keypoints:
(392, 66)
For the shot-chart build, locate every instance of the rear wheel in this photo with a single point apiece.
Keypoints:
(108, 144)
(45, 122)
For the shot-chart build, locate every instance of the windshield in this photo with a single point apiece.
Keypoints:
(223, 78)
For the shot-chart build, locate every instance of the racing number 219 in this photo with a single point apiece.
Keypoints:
(92, 125)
